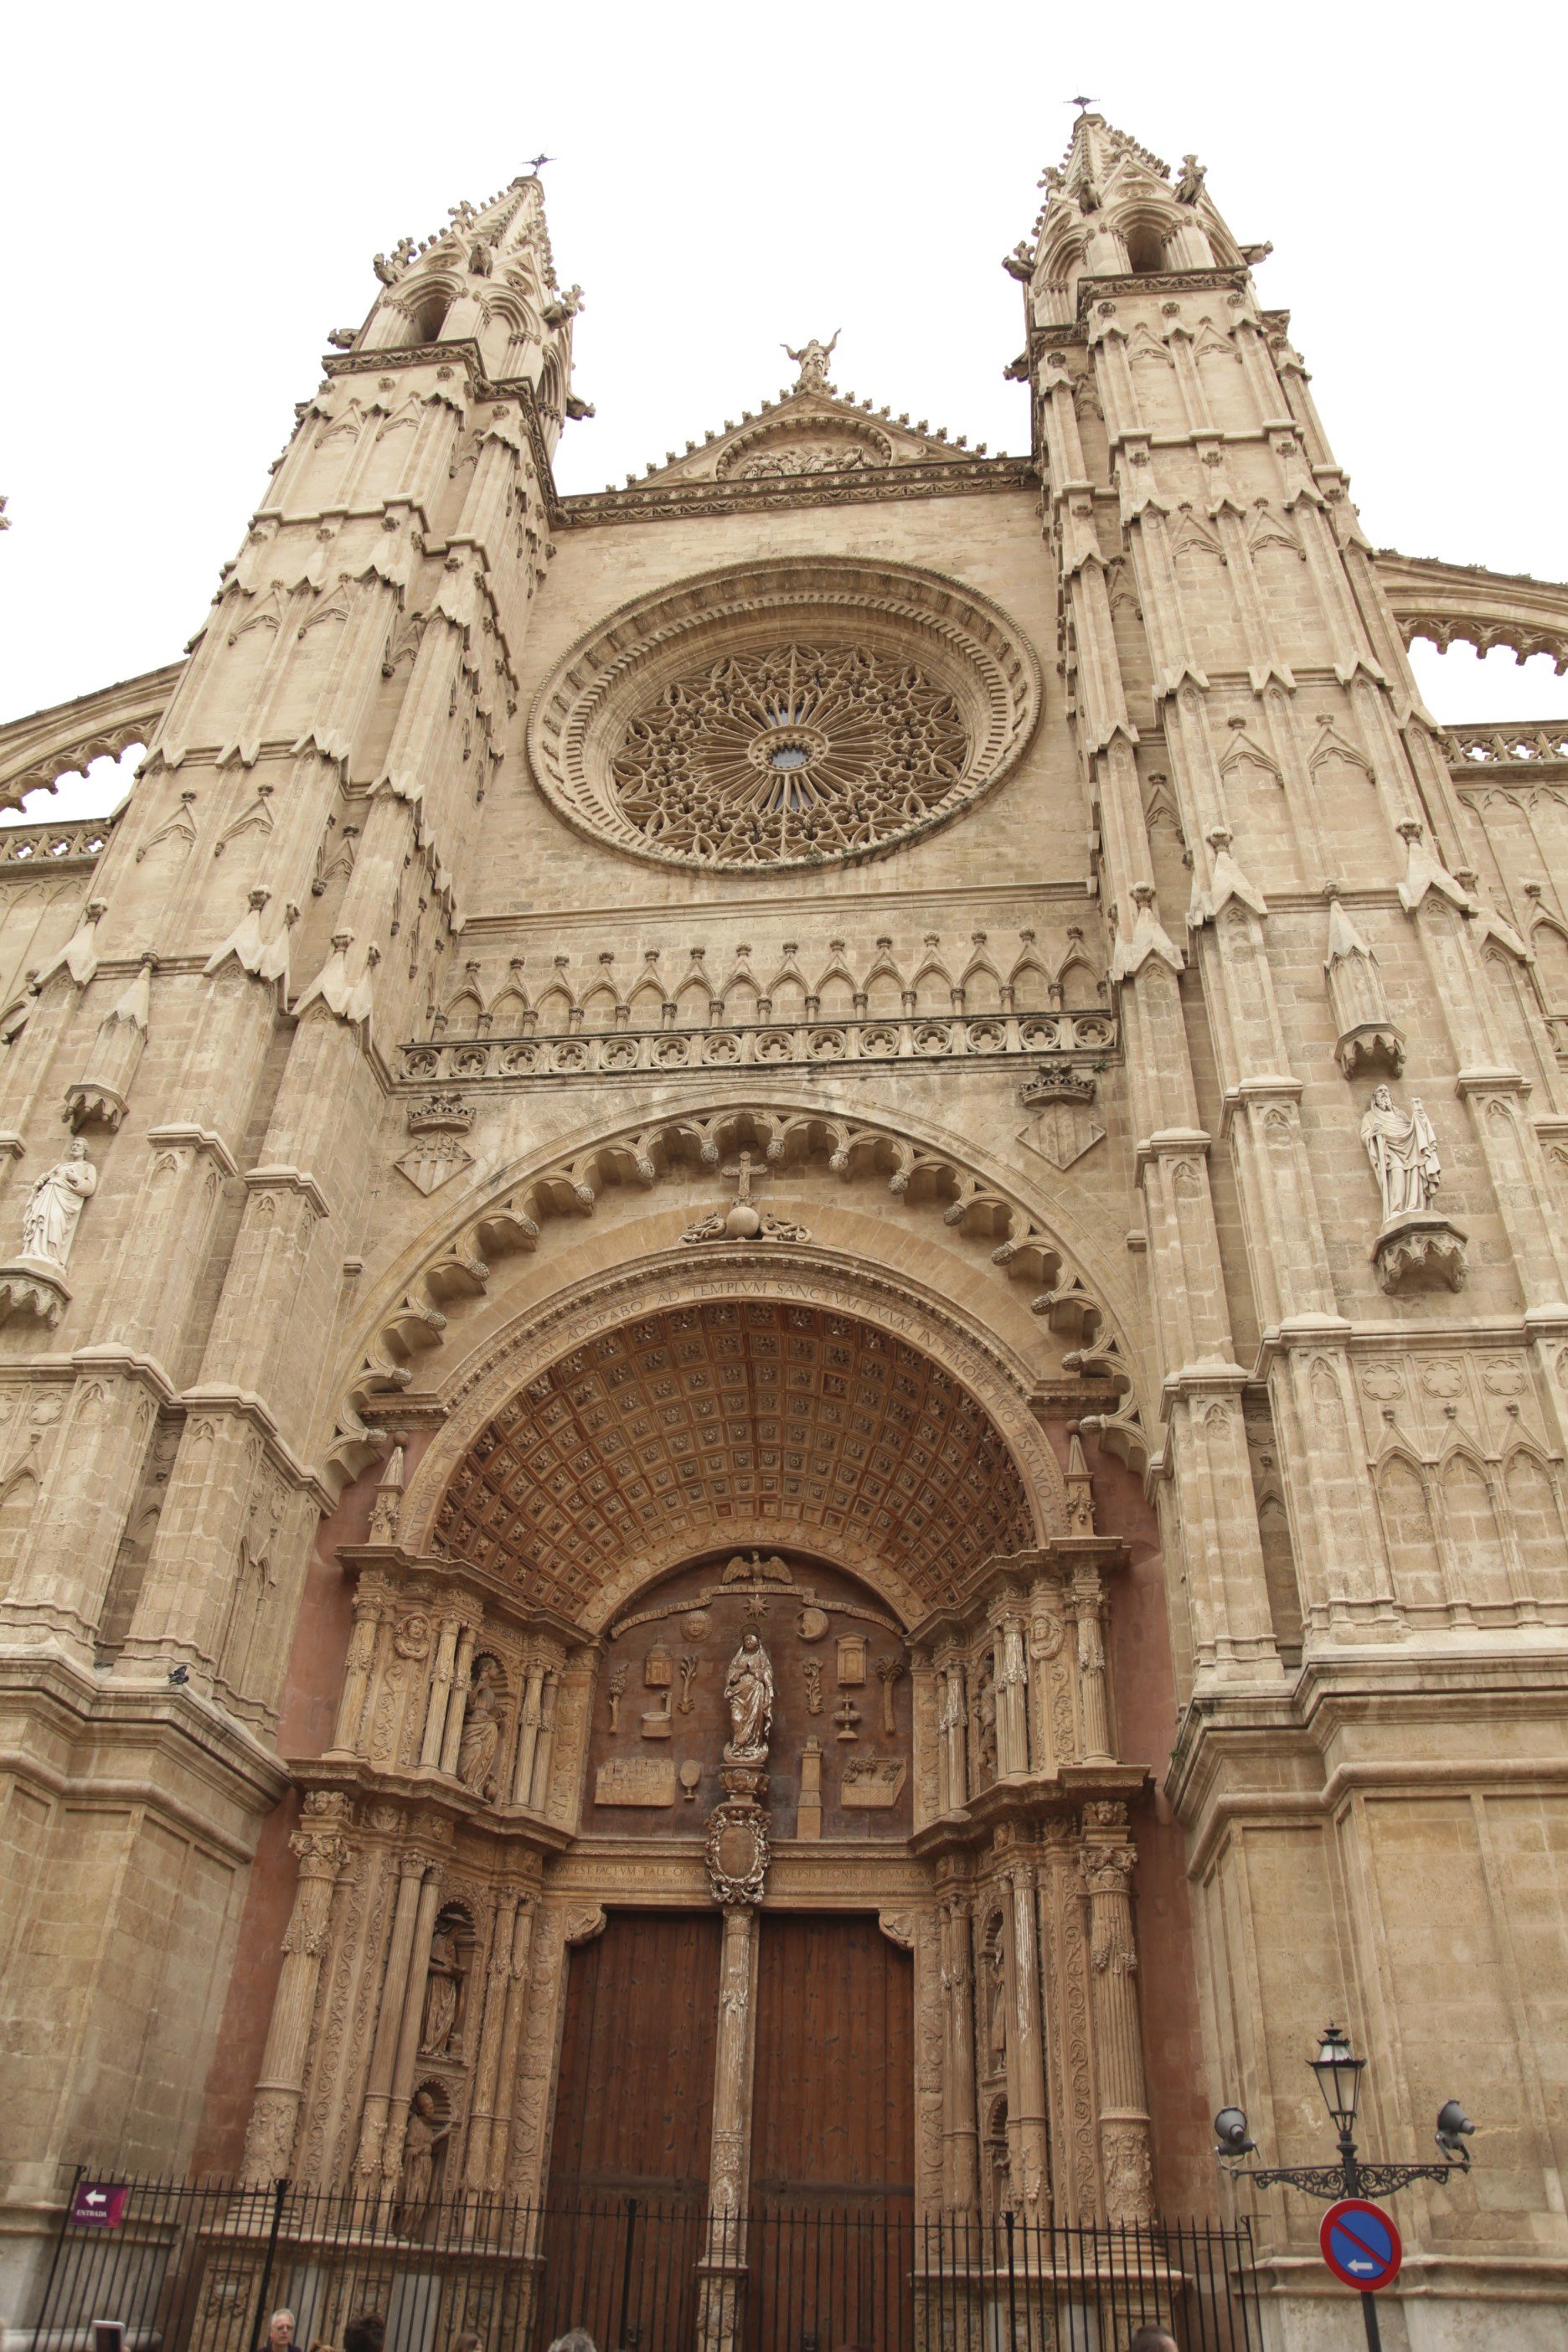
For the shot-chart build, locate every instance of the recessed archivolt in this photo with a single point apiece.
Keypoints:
(921, 1176)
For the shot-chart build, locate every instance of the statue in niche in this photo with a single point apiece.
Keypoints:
(55, 1205)
(1402, 1149)
(748, 1696)
(415, 2181)
(443, 1982)
(481, 1733)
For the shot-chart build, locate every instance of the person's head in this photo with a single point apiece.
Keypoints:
(1153, 2339)
(468, 2344)
(280, 2331)
(365, 2334)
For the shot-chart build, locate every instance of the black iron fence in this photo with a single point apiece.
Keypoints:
(201, 2268)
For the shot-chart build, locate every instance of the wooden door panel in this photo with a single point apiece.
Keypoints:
(634, 2105)
(834, 2107)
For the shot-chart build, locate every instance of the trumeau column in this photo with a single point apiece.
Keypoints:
(723, 2268)
(323, 1851)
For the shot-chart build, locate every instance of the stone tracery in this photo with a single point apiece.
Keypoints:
(793, 750)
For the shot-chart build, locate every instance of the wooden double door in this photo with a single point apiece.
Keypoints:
(826, 2245)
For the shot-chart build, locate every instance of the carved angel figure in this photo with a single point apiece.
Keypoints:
(55, 1205)
(812, 361)
(748, 1696)
(1402, 1149)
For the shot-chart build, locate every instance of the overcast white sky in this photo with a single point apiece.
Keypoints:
(193, 195)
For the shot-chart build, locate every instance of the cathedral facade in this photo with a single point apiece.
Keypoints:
(784, 1347)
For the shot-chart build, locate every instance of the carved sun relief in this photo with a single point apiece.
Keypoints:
(785, 714)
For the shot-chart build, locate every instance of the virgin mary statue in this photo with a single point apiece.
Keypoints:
(748, 1695)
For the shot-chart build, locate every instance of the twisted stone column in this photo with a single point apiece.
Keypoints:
(1106, 1861)
(323, 1851)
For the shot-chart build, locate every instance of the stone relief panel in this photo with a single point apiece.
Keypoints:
(838, 1750)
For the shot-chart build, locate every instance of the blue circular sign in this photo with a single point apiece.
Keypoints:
(1361, 2245)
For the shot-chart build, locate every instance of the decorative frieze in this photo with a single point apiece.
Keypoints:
(627, 1053)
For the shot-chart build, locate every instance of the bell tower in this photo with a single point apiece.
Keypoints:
(1291, 874)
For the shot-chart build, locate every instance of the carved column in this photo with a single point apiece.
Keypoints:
(528, 1732)
(389, 2018)
(952, 1726)
(1107, 1859)
(323, 1851)
(729, 2171)
(440, 1696)
(1028, 2130)
(546, 1748)
(1012, 1699)
(497, 1983)
(960, 2123)
(458, 1700)
(407, 2057)
(511, 2037)
(1088, 1606)
(357, 1672)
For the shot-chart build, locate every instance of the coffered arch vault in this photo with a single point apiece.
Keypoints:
(719, 1413)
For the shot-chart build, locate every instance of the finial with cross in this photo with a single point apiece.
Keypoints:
(740, 1219)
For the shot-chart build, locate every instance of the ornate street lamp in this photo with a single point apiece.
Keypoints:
(1339, 2072)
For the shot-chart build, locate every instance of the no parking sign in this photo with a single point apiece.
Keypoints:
(1361, 2245)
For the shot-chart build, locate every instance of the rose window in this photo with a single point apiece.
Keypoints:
(791, 752)
(784, 712)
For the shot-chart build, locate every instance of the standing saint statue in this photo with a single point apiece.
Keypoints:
(442, 1983)
(1402, 1149)
(481, 1733)
(748, 1696)
(424, 2136)
(55, 1204)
